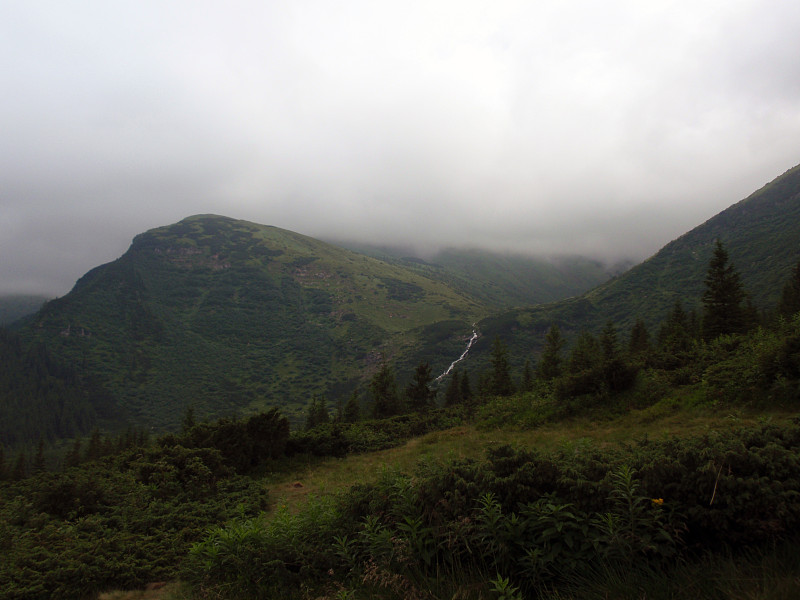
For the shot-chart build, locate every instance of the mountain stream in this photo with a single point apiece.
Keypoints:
(460, 358)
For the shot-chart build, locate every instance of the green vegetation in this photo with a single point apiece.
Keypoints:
(645, 455)
(14, 307)
(232, 318)
(760, 234)
(502, 280)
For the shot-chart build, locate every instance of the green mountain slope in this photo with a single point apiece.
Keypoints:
(761, 234)
(16, 306)
(229, 316)
(502, 280)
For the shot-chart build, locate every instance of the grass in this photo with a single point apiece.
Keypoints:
(313, 477)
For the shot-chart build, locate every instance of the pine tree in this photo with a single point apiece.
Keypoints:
(501, 383)
(550, 361)
(352, 410)
(723, 297)
(639, 344)
(527, 377)
(188, 420)
(94, 448)
(20, 469)
(608, 341)
(418, 393)
(383, 389)
(466, 389)
(73, 457)
(452, 395)
(674, 334)
(38, 459)
(323, 416)
(585, 354)
(312, 413)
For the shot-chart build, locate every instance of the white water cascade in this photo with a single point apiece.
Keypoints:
(460, 358)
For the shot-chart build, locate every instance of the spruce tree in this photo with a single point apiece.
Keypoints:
(608, 341)
(312, 413)
(94, 449)
(585, 354)
(38, 459)
(639, 344)
(501, 383)
(550, 361)
(383, 389)
(723, 297)
(452, 395)
(73, 457)
(352, 410)
(466, 389)
(322, 417)
(418, 393)
(527, 377)
(20, 467)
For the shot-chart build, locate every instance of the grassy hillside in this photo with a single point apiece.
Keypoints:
(761, 234)
(503, 280)
(230, 316)
(15, 306)
(675, 482)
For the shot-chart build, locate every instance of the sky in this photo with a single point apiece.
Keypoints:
(545, 127)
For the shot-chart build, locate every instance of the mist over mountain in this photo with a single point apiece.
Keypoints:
(761, 233)
(230, 317)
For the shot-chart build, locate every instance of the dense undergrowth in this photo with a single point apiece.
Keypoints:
(518, 522)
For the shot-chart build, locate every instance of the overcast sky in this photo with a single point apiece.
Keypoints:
(549, 126)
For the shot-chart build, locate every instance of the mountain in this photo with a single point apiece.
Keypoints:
(761, 234)
(229, 316)
(16, 306)
(502, 280)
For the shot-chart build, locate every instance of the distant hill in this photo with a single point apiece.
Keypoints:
(761, 234)
(15, 306)
(503, 280)
(229, 316)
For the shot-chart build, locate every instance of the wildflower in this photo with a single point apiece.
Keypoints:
(657, 501)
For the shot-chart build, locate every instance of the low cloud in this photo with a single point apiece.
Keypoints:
(549, 127)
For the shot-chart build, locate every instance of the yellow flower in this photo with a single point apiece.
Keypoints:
(657, 501)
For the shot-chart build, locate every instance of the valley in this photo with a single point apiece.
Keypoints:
(244, 411)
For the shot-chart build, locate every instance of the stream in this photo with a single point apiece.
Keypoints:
(460, 358)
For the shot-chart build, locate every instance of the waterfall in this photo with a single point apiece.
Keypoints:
(460, 358)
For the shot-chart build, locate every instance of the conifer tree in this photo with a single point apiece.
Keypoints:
(20, 467)
(73, 457)
(723, 297)
(418, 393)
(466, 389)
(674, 334)
(501, 383)
(550, 361)
(608, 341)
(188, 420)
(38, 459)
(317, 413)
(639, 344)
(452, 395)
(352, 410)
(94, 448)
(383, 389)
(585, 354)
(527, 377)
(322, 417)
